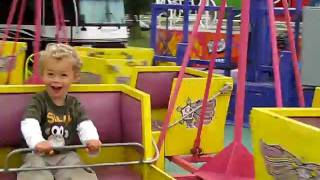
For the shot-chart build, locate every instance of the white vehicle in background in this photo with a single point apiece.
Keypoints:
(96, 23)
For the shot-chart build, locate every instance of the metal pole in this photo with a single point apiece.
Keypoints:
(228, 53)
(297, 23)
(186, 11)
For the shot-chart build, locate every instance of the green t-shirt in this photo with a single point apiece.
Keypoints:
(58, 123)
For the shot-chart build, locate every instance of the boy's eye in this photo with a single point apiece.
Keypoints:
(50, 74)
(64, 75)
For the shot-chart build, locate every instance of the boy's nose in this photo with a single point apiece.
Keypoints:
(56, 79)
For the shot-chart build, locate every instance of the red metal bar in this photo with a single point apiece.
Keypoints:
(56, 18)
(196, 150)
(185, 61)
(234, 161)
(197, 159)
(16, 39)
(242, 65)
(294, 56)
(187, 177)
(20, 20)
(37, 39)
(35, 78)
(8, 25)
(62, 23)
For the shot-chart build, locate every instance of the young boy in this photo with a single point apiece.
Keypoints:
(53, 118)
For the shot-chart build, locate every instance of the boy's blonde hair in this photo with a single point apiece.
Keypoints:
(59, 51)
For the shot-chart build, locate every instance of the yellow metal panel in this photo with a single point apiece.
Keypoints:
(146, 127)
(16, 74)
(158, 114)
(110, 154)
(213, 133)
(157, 68)
(114, 65)
(74, 88)
(121, 69)
(77, 88)
(212, 139)
(161, 161)
(15, 161)
(96, 67)
(197, 72)
(192, 71)
(111, 71)
(111, 65)
(284, 143)
(117, 53)
(156, 174)
(316, 98)
(151, 172)
(134, 76)
(165, 63)
(293, 111)
(138, 69)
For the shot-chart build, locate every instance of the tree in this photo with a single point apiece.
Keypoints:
(137, 7)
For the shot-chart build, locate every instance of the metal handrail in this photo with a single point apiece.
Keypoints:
(9, 155)
(76, 14)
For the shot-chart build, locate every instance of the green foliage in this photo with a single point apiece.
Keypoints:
(137, 7)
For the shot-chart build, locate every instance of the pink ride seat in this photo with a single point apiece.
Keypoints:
(116, 115)
(150, 82)
(117, 173)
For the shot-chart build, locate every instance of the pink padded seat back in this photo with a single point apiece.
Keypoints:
(116, 116)
(12, 108)
(131, 119)
(104, 110)
(8, 176)
(158, 85)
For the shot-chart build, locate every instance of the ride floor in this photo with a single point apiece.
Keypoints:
(172, 168)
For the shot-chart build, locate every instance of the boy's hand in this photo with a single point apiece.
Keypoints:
(44, 147)
(93, 146)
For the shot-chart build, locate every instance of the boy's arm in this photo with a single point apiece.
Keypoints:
(31, 132)
(87, 131)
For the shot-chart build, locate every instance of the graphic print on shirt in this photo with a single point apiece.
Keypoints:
(56, 131)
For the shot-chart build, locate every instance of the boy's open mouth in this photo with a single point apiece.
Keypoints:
(56, 89)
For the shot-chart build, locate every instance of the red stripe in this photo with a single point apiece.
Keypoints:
(185, 61)
(294, 56)
(56, 18)
(20, 20)
(210, 73)
(242, 70)
(62, 23)
(17, 36)
(36, 49)
(9, 22)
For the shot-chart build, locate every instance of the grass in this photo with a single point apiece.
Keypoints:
(139, 38)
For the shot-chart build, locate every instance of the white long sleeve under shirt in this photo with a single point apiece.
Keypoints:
(32, 134)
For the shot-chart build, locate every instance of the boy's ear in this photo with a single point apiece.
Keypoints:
(76, 77)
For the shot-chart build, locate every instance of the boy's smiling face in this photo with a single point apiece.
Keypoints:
(58, 75)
